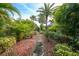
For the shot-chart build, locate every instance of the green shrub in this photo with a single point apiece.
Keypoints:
(64, 50)
(21, 29)
(54, 27)
(6, 42)
(59, 37)
(54, 35)
(62, 46)
(75, 44)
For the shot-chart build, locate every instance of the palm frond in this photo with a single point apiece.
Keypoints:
(52, 5)
(9, 7)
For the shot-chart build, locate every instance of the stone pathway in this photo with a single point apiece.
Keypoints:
(47, 46)
(39, 50)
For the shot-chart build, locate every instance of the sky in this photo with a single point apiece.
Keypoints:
(28, 9)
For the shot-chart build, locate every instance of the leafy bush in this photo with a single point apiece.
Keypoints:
(58, 36)
(64, 50)
(66, 16)
(54, 27)
(21, 29)
(75, 44)
(6, 42)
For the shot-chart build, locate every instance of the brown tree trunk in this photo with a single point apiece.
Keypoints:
(46, 23)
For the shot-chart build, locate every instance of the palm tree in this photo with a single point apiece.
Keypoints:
(6, 9)
(33, 18)
(46, 11)
(41, 20)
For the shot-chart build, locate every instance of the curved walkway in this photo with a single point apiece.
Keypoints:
(26, 47)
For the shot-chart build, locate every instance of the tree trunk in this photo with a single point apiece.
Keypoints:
(47, 27)
(41, 26)
(46, 23)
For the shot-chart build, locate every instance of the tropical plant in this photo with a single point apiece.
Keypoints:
(67, 17)
(41, 20)
(46, 11)
(33, 18)
(22, 28)
(6, 8)
(6, 42)
(64, 50)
